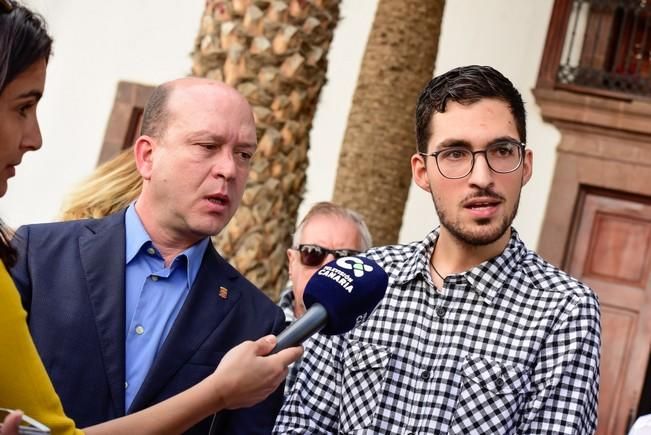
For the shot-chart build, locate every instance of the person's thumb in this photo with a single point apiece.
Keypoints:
(265, 345)
(11, 423)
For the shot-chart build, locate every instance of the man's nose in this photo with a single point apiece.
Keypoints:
(225, 165)
(482, 174)
(328, 258)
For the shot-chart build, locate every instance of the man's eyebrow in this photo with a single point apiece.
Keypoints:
(449, 143)
(247, 144)
(205, 135)
(209, 136)
(504, 139)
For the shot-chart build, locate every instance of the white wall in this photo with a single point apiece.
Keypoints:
(98, 43)
(506, 34)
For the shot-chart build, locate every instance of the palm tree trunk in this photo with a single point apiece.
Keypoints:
(274, 53)
(374, 173)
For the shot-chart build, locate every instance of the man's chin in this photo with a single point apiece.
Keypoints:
(484, 239)
(480, 234)
(208, 229)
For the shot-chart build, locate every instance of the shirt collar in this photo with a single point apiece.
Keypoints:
(137, 237)
(286, 303)
(194, 255)
(486, 279)
(418, 263)
(492, 276)
(136, 234)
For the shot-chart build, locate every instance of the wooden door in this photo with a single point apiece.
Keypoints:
(611, 252)
(125, 120)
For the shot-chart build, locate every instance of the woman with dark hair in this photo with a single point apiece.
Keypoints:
(25, 48)
(244, 376)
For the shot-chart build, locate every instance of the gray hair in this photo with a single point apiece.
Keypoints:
(326, 208)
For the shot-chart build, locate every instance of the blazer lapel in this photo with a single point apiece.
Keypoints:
(102, 252)
(203, 311)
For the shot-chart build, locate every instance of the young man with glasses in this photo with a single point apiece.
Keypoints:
(327, 231)
(477, 334)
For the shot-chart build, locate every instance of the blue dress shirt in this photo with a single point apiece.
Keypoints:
(154, 297)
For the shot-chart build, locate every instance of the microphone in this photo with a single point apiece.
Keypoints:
(340, 295)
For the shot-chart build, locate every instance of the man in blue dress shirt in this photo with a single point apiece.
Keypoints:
(145, 305)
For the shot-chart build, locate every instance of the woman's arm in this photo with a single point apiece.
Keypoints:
(243, 378)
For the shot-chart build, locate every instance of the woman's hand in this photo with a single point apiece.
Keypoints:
(11, 423)
(245, 376)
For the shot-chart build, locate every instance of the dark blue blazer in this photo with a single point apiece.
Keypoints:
(71, 279)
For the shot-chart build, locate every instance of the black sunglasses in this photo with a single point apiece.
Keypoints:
(313, 255)
(6, 6)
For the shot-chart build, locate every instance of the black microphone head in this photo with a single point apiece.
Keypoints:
(349, 288)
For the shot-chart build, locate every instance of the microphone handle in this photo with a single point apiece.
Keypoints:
(314, 319)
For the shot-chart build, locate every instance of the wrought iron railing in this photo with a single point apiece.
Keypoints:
(607, 47)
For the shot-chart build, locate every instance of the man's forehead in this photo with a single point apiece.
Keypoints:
(207, 93)
(456, 107)
(193, 100)
(328, 225)
(458, 117)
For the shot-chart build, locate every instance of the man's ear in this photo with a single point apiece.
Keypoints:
(291, 260)
(419, 171)
(527, 166)
(143, 151)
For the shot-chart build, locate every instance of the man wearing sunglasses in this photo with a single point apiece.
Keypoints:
(327, 231)
(476, 334)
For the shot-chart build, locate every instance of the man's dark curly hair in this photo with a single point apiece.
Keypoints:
(466, 85)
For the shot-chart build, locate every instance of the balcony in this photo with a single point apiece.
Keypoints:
(599, 47)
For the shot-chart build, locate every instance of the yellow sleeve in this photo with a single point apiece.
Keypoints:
(24, 383)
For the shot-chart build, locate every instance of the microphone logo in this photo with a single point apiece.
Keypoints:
(355, 264)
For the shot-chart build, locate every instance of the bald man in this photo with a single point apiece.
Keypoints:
(146, 306)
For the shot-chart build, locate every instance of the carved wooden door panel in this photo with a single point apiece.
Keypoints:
(611, 252)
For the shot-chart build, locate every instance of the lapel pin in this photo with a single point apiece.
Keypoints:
(223, 292)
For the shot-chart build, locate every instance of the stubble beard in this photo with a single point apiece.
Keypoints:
(485, 235)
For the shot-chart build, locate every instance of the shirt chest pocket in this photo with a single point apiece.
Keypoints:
(365, 368)
(491, 395)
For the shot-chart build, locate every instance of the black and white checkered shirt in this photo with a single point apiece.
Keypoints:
(286, 302)
(510, 346)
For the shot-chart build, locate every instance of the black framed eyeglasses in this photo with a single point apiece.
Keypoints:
(6, 6)
(313, 255)
(457, 162)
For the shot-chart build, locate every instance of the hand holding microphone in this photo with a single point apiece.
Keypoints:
(338, 297)
(246, 375)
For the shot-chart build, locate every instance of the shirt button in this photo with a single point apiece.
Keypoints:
(499, 382)
(154, 278)
(151, 251)
(126, 385)
(440, 311)
(140, 330)
(425, 375)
